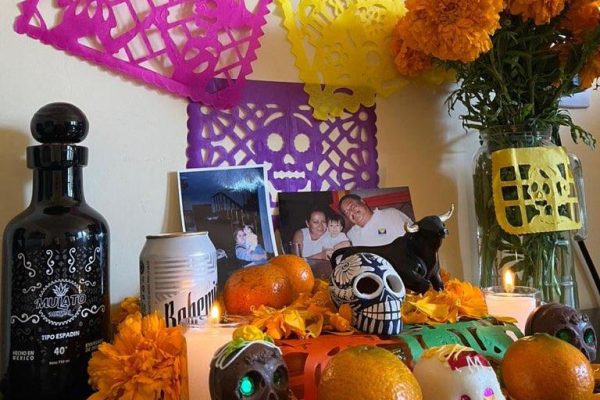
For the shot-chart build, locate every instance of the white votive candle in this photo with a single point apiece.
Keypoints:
(203, 339)
(518, 303)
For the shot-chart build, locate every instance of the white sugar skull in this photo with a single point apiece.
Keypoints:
(456, 372)
(373, 289)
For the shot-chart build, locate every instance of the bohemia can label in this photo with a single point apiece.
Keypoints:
(178, 276)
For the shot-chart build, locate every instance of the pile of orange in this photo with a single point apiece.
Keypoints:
(274, 284)
(367, 373)
(542, 367)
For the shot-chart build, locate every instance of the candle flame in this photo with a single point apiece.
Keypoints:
(509, 281)
(215, 314)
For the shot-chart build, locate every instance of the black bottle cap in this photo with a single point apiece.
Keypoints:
(59, 123)
(58, 126)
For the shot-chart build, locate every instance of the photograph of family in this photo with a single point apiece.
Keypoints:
(315, 224)
(231, 204)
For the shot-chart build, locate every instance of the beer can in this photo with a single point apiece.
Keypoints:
(178, 276)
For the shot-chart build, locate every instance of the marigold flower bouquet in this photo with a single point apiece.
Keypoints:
(513, 61)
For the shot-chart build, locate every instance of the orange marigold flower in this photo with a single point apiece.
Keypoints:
(540, 11)
(450, 29)
(129, 305)
(582, 17)
(409, 62)
(457, 300)
(590, 71)
(468, 299)
(146, 362)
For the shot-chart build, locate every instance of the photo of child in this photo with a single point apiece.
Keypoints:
(247, 250)
(335, 237)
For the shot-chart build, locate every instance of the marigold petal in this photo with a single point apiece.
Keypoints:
(346, 311)
(590, 71)
(508, 320)
(450, 29)
(540, 11)
(248, 332)
(315, 326)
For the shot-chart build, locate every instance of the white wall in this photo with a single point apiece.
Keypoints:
(138, 137)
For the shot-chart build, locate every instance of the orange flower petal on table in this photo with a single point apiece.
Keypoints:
(508, 320)
(320, 286)
(319, 295)
(450, 29)
(431, 306)
(540, 11)
(411, 315)
(457, 300)
(279, 323)
(302, 300)
(338, 322)
(345, 311)
(314, 326)
(294, 322)
(307, 316)
(452, 317)
(275, 327)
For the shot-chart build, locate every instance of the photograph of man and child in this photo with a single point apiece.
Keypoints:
(315, 224)
(231, 204)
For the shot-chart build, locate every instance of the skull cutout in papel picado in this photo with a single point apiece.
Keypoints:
(534, 190)
(373, 289)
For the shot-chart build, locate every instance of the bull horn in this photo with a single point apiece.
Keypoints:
(411, 227)
(446, 217)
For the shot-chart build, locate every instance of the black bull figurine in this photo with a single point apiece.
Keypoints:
(414, 255)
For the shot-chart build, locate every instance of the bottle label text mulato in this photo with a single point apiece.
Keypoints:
(57, 303)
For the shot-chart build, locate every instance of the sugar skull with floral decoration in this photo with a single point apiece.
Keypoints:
(250, 367)
(456, 372)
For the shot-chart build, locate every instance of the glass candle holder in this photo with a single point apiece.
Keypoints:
(203, 338)
(518, 303)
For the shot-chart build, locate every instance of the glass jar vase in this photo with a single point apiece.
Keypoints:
(543, 261)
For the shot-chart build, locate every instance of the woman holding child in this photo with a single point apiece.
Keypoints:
(321, 236)
(247, 250)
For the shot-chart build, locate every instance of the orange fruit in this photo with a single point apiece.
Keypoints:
(298, 270)
(543, 367)
(367, 373)
(252, 287)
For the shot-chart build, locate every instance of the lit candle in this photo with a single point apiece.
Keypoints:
(509, 281)
(204, 336)
(511, 301)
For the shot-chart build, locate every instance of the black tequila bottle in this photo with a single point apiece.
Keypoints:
(55, 303)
